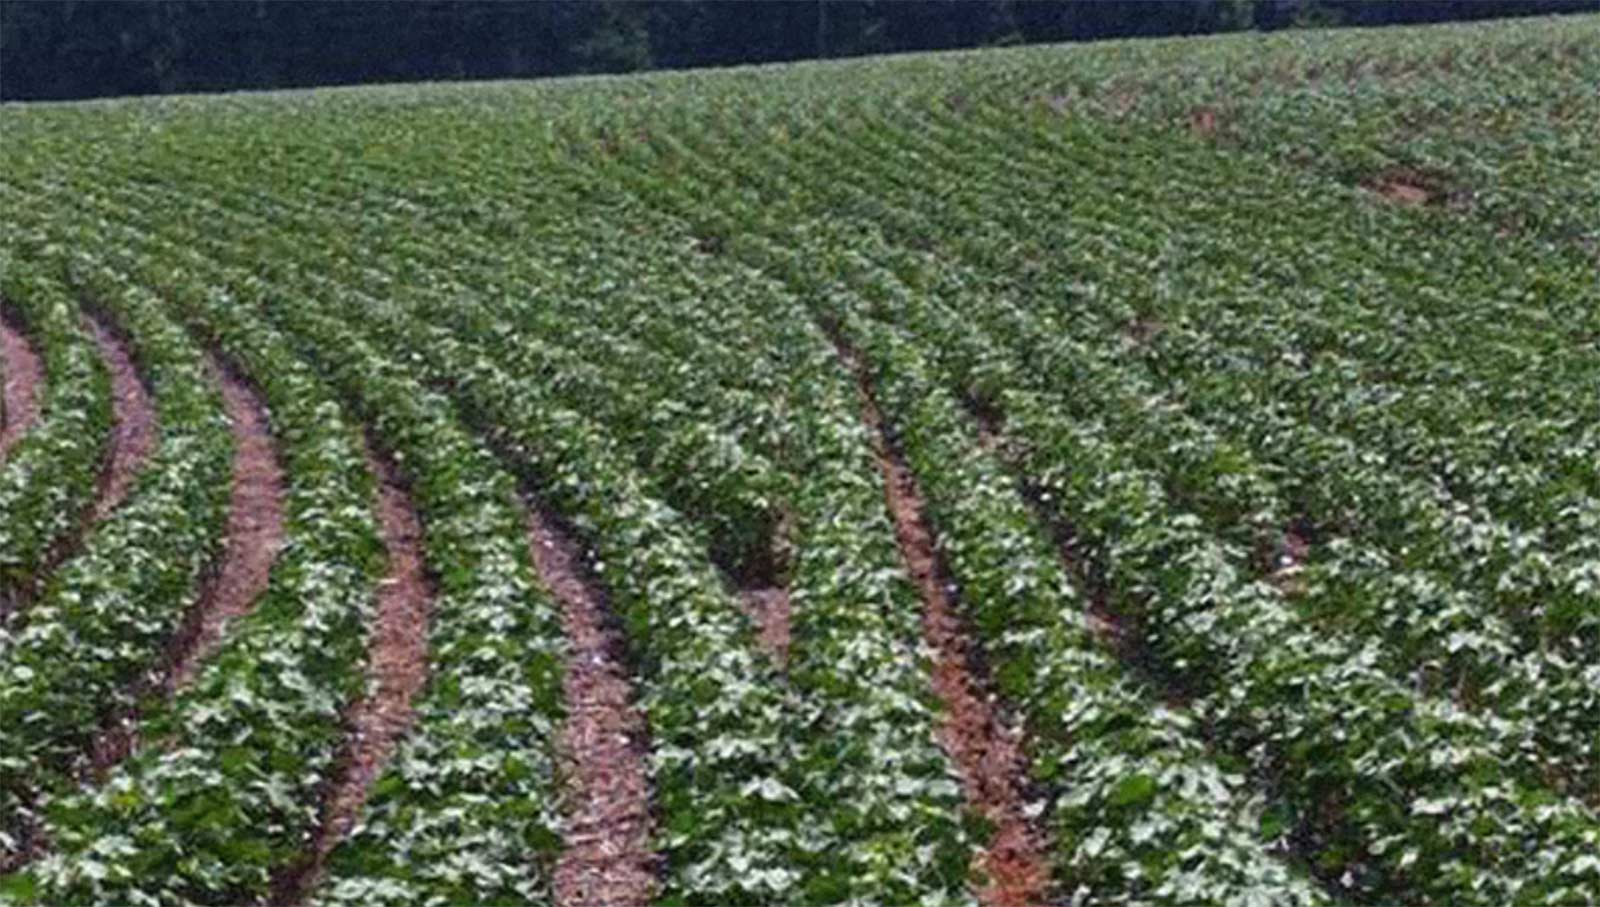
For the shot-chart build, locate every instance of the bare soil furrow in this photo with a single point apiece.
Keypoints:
(133, 433)
(397, 669)
(24, 378)
(607, 860)
(255, 531)
(987, 752)
(255, 534)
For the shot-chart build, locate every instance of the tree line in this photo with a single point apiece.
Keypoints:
(63, 49)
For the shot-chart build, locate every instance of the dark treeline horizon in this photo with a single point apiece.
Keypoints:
(71, 49)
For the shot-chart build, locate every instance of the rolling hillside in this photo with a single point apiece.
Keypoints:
(1147, 472)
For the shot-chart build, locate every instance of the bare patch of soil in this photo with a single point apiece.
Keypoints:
(1143, 330)
(254, 536)
(397, 668)
(24, 377)
(759, 576)
(987, 752)
(607, 860)
(1411, 188)
(1404, 193)
(769, 607)
(1123, 102)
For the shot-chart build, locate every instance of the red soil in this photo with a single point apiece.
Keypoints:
(770, 609)
(133, 435)
(607, 860)
(1406, 187)
(988, 754)
(255, 532)
(397, 668)
(24, 376)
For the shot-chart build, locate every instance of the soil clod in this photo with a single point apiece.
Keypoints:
(769, 608)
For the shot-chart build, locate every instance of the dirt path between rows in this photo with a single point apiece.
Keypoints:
(24, 378)
(255, 534)
(134, 426)
(607, 860)
(397, 669)
(988, 755)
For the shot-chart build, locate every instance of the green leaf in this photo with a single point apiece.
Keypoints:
(1134, 790)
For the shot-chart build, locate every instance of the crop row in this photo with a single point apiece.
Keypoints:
(225, 789)
(76, 656)
(48, 479)
(866, 710)
(1135, 531)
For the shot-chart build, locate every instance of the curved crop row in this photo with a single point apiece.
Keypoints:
(100, 624)
(1218, 480)
(1093, 857)
(1140, 810)
(1382, 817)
(225, 792)
(844, 631)
(49, 478)
(725, 767)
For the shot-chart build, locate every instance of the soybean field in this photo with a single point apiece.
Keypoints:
(1160, 472)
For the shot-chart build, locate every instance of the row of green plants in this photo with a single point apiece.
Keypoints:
(1122, 833)
(879, 705)
(1137, 807)
(1480, 649)
(1466, 641)
(1509, 442)
(1197, 342)
(467, 810)
(1203, 619)
(49, 478)
(949, 338)
(224, 790)
(1550, 494)
(717, 714)
(79, 658)
(474, 785)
